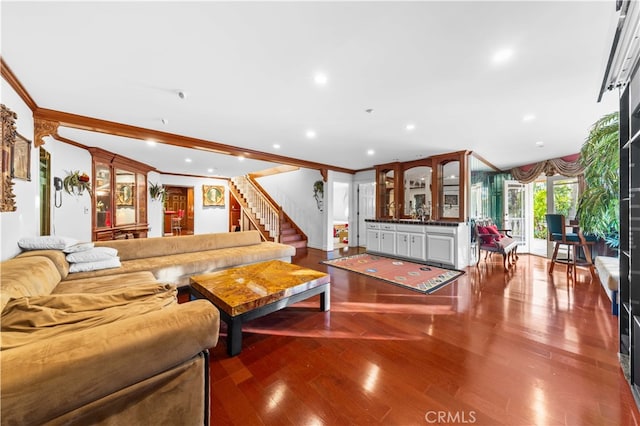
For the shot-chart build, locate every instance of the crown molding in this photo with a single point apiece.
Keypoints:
(109, 127)
(13, 81)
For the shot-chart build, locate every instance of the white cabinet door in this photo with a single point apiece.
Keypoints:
(441, 248)
(417, 246)
(402, 244)
(373, 240)
(388, 242)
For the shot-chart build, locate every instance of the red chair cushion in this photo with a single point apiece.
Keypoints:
(493, 229)
(485, 235)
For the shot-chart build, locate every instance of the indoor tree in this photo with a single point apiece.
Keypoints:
(599, 205)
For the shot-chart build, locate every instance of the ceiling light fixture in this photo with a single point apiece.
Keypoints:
(152, 143)
(182, 94)
(502, 56)
(311, 134)
(539, 144)
(276, 146)
(188, 160)
(410, 127)
(528, 117)
(370, 152)
(320, 78)
(209, 170)
(240, 158)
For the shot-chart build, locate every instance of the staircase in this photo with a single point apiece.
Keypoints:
(264, 214)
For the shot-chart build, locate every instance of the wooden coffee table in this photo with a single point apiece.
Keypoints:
(247, 292)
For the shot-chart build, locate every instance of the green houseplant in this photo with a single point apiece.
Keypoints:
(75, 183)
(318, 193)
(157, 191)
(599, 205)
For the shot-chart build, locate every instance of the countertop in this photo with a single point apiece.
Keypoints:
(415, 222)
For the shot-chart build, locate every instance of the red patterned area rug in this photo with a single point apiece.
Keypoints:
(414, 276)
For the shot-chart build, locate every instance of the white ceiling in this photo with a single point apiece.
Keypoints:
(248, 69)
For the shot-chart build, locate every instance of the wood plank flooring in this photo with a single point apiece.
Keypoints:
(492, 348)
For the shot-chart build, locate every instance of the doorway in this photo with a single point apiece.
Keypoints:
(366, 210)
(549, 194)
(45, 192)
(178, 211)
(340, 215)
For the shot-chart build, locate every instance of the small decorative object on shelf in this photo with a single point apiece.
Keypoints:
(75, 183)
(318, 193)
(157, 192)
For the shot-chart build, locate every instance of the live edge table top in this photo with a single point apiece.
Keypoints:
(245, 288)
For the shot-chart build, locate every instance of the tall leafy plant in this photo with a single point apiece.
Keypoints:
(599, 205)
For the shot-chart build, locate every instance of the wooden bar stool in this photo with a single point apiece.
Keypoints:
(574, 241)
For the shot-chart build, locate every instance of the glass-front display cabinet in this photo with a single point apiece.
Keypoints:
(120, 208)
(417, 190)
(432, 188)
(389, 191)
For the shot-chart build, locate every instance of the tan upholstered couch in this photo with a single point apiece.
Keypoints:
(175, 259)
(114, 346)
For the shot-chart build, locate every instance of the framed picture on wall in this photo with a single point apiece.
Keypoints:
(124, 194)
(21, 158)
(212, 195)
(451, 200)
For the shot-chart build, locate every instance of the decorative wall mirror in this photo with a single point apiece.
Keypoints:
(7, 197)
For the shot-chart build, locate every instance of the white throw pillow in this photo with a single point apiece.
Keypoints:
(46, 242)
(113, 262)
(78, 247)
(93, 255)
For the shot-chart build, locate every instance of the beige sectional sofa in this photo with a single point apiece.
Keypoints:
(113, 346)
(175, 259)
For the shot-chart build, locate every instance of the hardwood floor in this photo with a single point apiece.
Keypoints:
(516, 348)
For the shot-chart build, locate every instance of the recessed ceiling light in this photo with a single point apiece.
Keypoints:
(410, 127)
(539, 144)
(188, 160)
(528, 117)
(370, 152)
(311, 134)
(276, 146)
(209, 170)
(368, 110)
(502, 56)
(152, 143)
(240, 158)
(320, 78)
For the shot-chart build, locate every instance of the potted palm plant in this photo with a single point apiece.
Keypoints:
(599, 204)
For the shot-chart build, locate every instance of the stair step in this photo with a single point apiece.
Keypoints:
(287, 231)
(302, 244)
(288, 238)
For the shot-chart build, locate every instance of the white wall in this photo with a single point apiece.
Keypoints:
(294, 192)
(73, 217)
(25, 221)
(155, 215)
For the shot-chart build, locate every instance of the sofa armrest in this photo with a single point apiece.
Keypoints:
(45, 379)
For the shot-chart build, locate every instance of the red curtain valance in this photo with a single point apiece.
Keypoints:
(565, 166)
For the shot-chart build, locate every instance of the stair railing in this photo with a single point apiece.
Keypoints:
(268, 214)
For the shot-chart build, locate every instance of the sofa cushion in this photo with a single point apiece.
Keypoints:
(92, 255)
(106, 283)
(30, 319)
(140, 248)
(46, 242)
(98, 265)
(177, 268)
(56, 256)
(27, 276)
